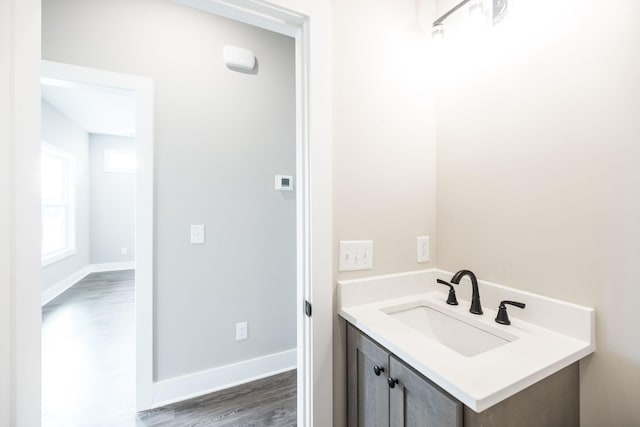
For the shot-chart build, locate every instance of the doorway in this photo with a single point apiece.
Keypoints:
(22, 287)
(225, 254)
(127, 96)
(88, 176)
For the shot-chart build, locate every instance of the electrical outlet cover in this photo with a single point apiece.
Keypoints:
(197, 234)
(242, 331)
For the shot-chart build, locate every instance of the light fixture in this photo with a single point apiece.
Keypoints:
(478, 18)
(476, 8)
(499, 10)
(437, 32)
(481, 12)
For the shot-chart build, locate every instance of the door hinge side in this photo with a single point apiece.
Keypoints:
(307, 308)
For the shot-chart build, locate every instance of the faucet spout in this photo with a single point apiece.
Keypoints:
(476, 307)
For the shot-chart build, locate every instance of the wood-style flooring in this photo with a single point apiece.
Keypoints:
(88, 369)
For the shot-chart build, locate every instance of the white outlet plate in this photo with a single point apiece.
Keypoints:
(242, 331)
(124, 251)
(197, 234)
(423, 252)
(356, 255)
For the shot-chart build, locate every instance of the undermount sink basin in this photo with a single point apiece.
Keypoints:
(456, 334)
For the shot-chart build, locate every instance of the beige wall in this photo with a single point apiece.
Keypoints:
(384, 141)
(538, 133)
(384, 154)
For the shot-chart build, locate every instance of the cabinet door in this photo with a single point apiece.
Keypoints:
(416, 401)
(367, 393)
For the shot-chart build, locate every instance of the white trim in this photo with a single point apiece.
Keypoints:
(20, 92)
(69, 203)
(303, 234)
(114, 266)
(58, 288)
(197, 384)
(58, 256)
(55, 73)
(253, 12)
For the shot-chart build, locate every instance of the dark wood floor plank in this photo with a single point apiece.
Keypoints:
(88, 369)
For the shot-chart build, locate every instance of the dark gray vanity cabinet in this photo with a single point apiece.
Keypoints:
(367, 381)
(383, 391)
(416, 401)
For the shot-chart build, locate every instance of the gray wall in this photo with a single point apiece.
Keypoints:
(538, 180)
(113, 212)
(61, 132)
(220, 137)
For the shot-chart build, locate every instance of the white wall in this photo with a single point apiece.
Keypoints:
(19, 213)
(220, 138)
(6, 223)
(538, 181)
(112, 203)
(58, 130)
(384, 133)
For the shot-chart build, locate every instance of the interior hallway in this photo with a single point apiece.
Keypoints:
(88, 368)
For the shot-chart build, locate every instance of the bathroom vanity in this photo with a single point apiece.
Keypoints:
(413, 360)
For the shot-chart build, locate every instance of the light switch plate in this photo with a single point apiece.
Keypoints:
(423, 252)
(197, 234)
(356, 255)
(242, 331)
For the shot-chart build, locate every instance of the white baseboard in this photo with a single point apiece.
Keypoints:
(64, 284)
(113, 266)
(197, 384)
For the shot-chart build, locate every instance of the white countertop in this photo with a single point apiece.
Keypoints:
(547, 335)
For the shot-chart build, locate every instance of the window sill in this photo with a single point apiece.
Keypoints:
(57, 256)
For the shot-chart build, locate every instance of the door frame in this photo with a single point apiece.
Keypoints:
(66, 75)
(20, 315)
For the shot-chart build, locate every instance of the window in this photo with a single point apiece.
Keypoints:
(119, 161)
(58, 207)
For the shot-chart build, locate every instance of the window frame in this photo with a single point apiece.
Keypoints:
(69, 204)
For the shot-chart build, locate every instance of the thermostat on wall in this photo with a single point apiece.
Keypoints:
(284, 183)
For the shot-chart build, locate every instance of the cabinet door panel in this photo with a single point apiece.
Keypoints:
(416, 401)
(368, 393)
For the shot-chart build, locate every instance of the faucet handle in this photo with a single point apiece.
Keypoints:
(451, 299)
(503, 316)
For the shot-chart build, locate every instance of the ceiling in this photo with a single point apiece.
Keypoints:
(96, 109)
